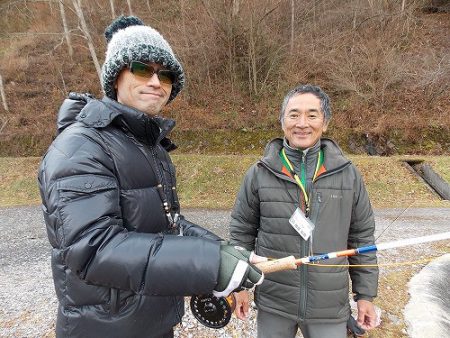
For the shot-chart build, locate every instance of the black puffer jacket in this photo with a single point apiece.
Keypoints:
(119, 270)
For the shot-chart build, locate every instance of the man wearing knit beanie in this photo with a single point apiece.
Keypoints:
(123, 257)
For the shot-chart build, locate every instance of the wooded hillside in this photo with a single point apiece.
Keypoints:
(385, 64)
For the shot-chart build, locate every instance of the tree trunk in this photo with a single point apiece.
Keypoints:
(85, 30)
(253, 76)
(185, 36)
(235, 7)
(2, 94)
(66, 29)
(113, 12)
(232, 44)
(292, 25)
(3, 123)
(50, 5)
(129, 7)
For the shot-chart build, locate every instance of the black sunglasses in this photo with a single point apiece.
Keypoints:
(146, 71)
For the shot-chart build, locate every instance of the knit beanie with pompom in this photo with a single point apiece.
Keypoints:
(130, 40)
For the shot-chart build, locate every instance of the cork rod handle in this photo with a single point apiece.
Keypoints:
(286, 263)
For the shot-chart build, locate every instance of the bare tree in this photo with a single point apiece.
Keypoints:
(2, 94)
(85, 30)
(183, 30)
(235, 7)
(292, 25)
(66, 29)
(232, 33)
(252, 70)
(261, 50)
(113, 12)
(50, 4)
(129, 7)
(3, 122)
(227, 23)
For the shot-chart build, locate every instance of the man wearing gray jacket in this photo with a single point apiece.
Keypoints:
(302, 198)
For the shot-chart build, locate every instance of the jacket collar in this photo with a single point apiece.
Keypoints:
(147, 129)
(298, 153)
(333, 156)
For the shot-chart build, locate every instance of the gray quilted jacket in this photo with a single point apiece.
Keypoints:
(343, 218)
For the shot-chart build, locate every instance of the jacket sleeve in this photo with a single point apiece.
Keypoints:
(245, 215)
(362, 228)
(81, 205)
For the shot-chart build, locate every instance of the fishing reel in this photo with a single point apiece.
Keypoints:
(215, 312)
(211, 311)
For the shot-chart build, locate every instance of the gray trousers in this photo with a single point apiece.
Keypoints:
(274, 326)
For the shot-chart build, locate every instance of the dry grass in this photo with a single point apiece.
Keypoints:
(212, 181)
(442, 166)
(391, 184)
(18, 181)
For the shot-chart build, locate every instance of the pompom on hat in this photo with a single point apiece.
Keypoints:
(130, 40)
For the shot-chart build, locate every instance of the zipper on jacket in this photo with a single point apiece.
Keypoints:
(303, 282)
(158, 168)
(114, 301)
(162, 190)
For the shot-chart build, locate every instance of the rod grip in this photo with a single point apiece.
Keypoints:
(285, 263)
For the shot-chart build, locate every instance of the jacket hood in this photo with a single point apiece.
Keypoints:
(101, 113)
(70, 108)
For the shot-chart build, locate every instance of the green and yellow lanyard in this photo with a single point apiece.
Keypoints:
(301, 181)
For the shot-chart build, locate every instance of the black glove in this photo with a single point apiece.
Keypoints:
(235, 271)
(190, 229)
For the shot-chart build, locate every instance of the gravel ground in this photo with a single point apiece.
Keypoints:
(26, 286)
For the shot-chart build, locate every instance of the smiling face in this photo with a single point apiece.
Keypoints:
(148, 95)
(303, 121)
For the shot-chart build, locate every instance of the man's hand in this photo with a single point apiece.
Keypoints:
(235, 271)
(242, 304)
(367, 317)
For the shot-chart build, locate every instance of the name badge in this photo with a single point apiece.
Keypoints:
(301, 224)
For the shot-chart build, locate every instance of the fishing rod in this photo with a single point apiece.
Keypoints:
(216, 312)
(290, 262)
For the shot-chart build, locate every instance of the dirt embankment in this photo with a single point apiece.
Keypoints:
(386, 69)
